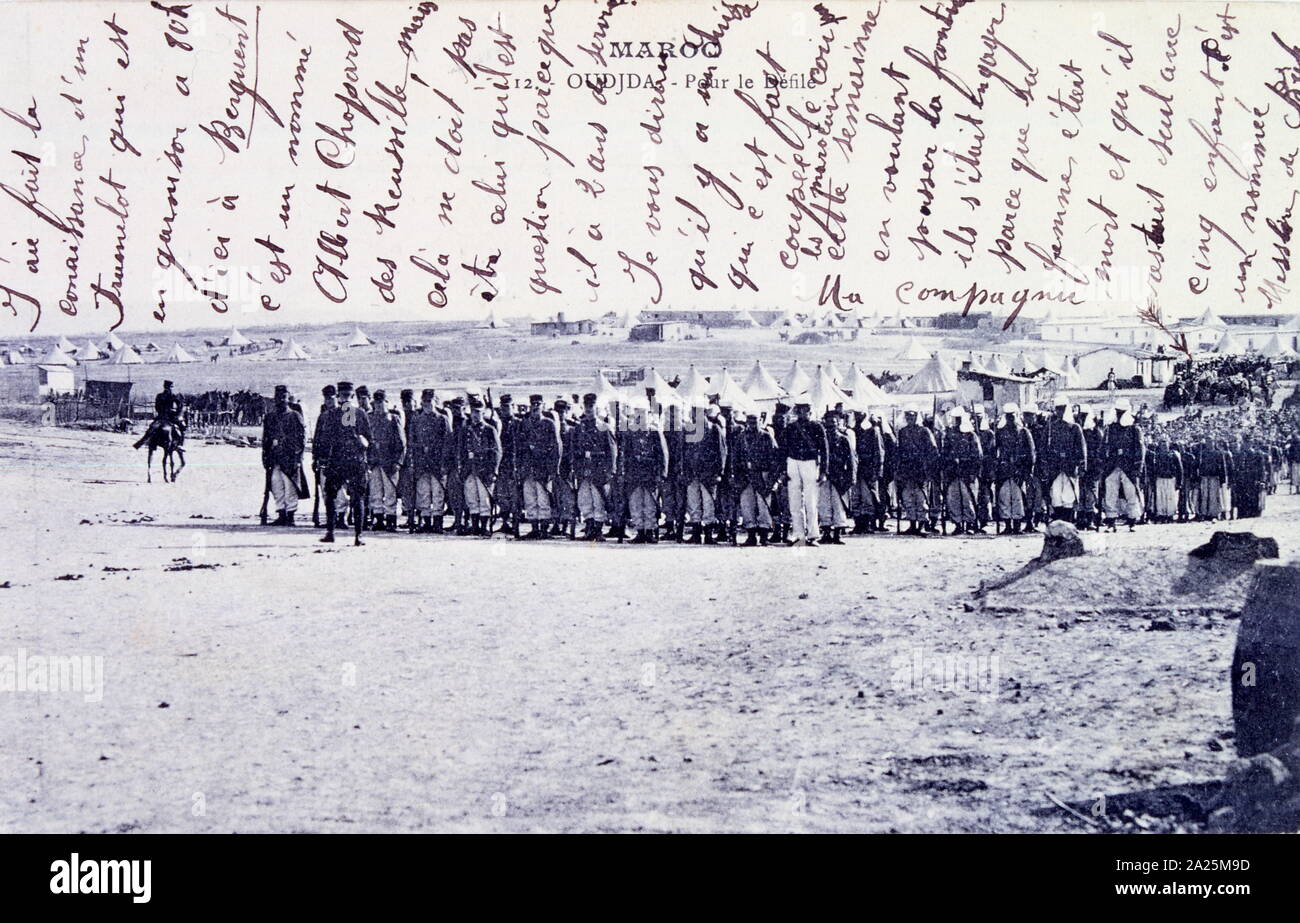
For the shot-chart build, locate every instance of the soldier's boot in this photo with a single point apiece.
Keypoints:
(710, 534)
(390, 523)
(597, 531)
(329, 534)
(860, 526)
(279, 519)
(618, 532)
(410, 523)
(751, 538)
(763, 536)
(288, 520)
(696, 536)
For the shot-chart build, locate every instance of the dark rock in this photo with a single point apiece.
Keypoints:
(1160, 625)
(1236, 546)
(1061, 540)
(1266, 663)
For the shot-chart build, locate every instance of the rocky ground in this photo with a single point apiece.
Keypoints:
(255, 680)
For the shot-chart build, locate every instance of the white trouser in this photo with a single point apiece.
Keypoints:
(383, 492)
(1064, 491)
(430, 496)
(700, 506)
(1166, 497)
(1122, 497)
(754, 512)
(537, 500)
(804, 495)
(284, 491)
(478, 502)
(591, 502)
(643, 509)
(830, 507)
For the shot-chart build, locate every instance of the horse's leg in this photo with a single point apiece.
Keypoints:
(180, 453)
(148, 466)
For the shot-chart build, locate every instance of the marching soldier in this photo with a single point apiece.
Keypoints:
(916, 461)
(963, 459)
(538, 451)
(387, 451)
(839, 476)
(867, 507)
(429, 450)
(340, 451)
(283, 437)
(643, 465)
(478, 456)
(406, 476)
(988, 446)
(674, 489)
(565, 501)
(1064, 454)
(507, 489)
(704, 458)
(1125, 462)
(753, 458)
(1013, 469)
(806, 451)
(592, 461)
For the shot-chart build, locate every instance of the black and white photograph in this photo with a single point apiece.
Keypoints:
(651, 416)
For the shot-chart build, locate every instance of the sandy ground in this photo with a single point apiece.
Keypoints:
(257, 681)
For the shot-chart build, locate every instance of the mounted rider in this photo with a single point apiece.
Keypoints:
(169, 410)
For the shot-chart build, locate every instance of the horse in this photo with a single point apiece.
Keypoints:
(166, 437)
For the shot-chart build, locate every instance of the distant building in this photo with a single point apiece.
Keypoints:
(562, 327)
(31, 383)
(707, 317)
(1153, 367)
(666, 331)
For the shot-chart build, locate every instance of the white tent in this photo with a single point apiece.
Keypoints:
(605, 391)
(14, 357)
(1229, 344)
(1023, 365)
(360, 339)
(56, 356)
(89, 351)
(823, 394)
(178, 354)
(866, 393)
(744, 319)
(761, 386)
(731, 394)
(665, 393)
(114, 342)
(694, 388)
(912, 352)
(935, 377)
(1274, 348)
(833, 370)
(796, 380)
(234, 338)
(786, 319)
(997, 366)
(66, 346)
(291, 350)
(125, 356)
(1210, 320)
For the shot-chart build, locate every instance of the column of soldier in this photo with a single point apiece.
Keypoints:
(708, 475)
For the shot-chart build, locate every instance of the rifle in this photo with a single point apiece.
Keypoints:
(315, 503)
(266, 496)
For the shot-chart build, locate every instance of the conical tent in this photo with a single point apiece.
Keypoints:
(1024, 365)
(865, 392)
(114, 342)
(66, 345)
(935, 377)
(360, 339)
(1292, 324)
(761, 386)
(125, 356)
(694, 388)
(57, 356)
(997, 366)
(14, 357)
(745, 319)
(1274, 348)
(1211, 320)
(834, 372)
(291, 350)
(823, 394)
(665, 393)
(89, 351)
(178, 354)
(796, 380)
(731, 394)
(605, 392)
(912, 352)
(235, 338)
(1229, 344)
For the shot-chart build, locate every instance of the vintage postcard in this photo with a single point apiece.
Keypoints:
(649, 416)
